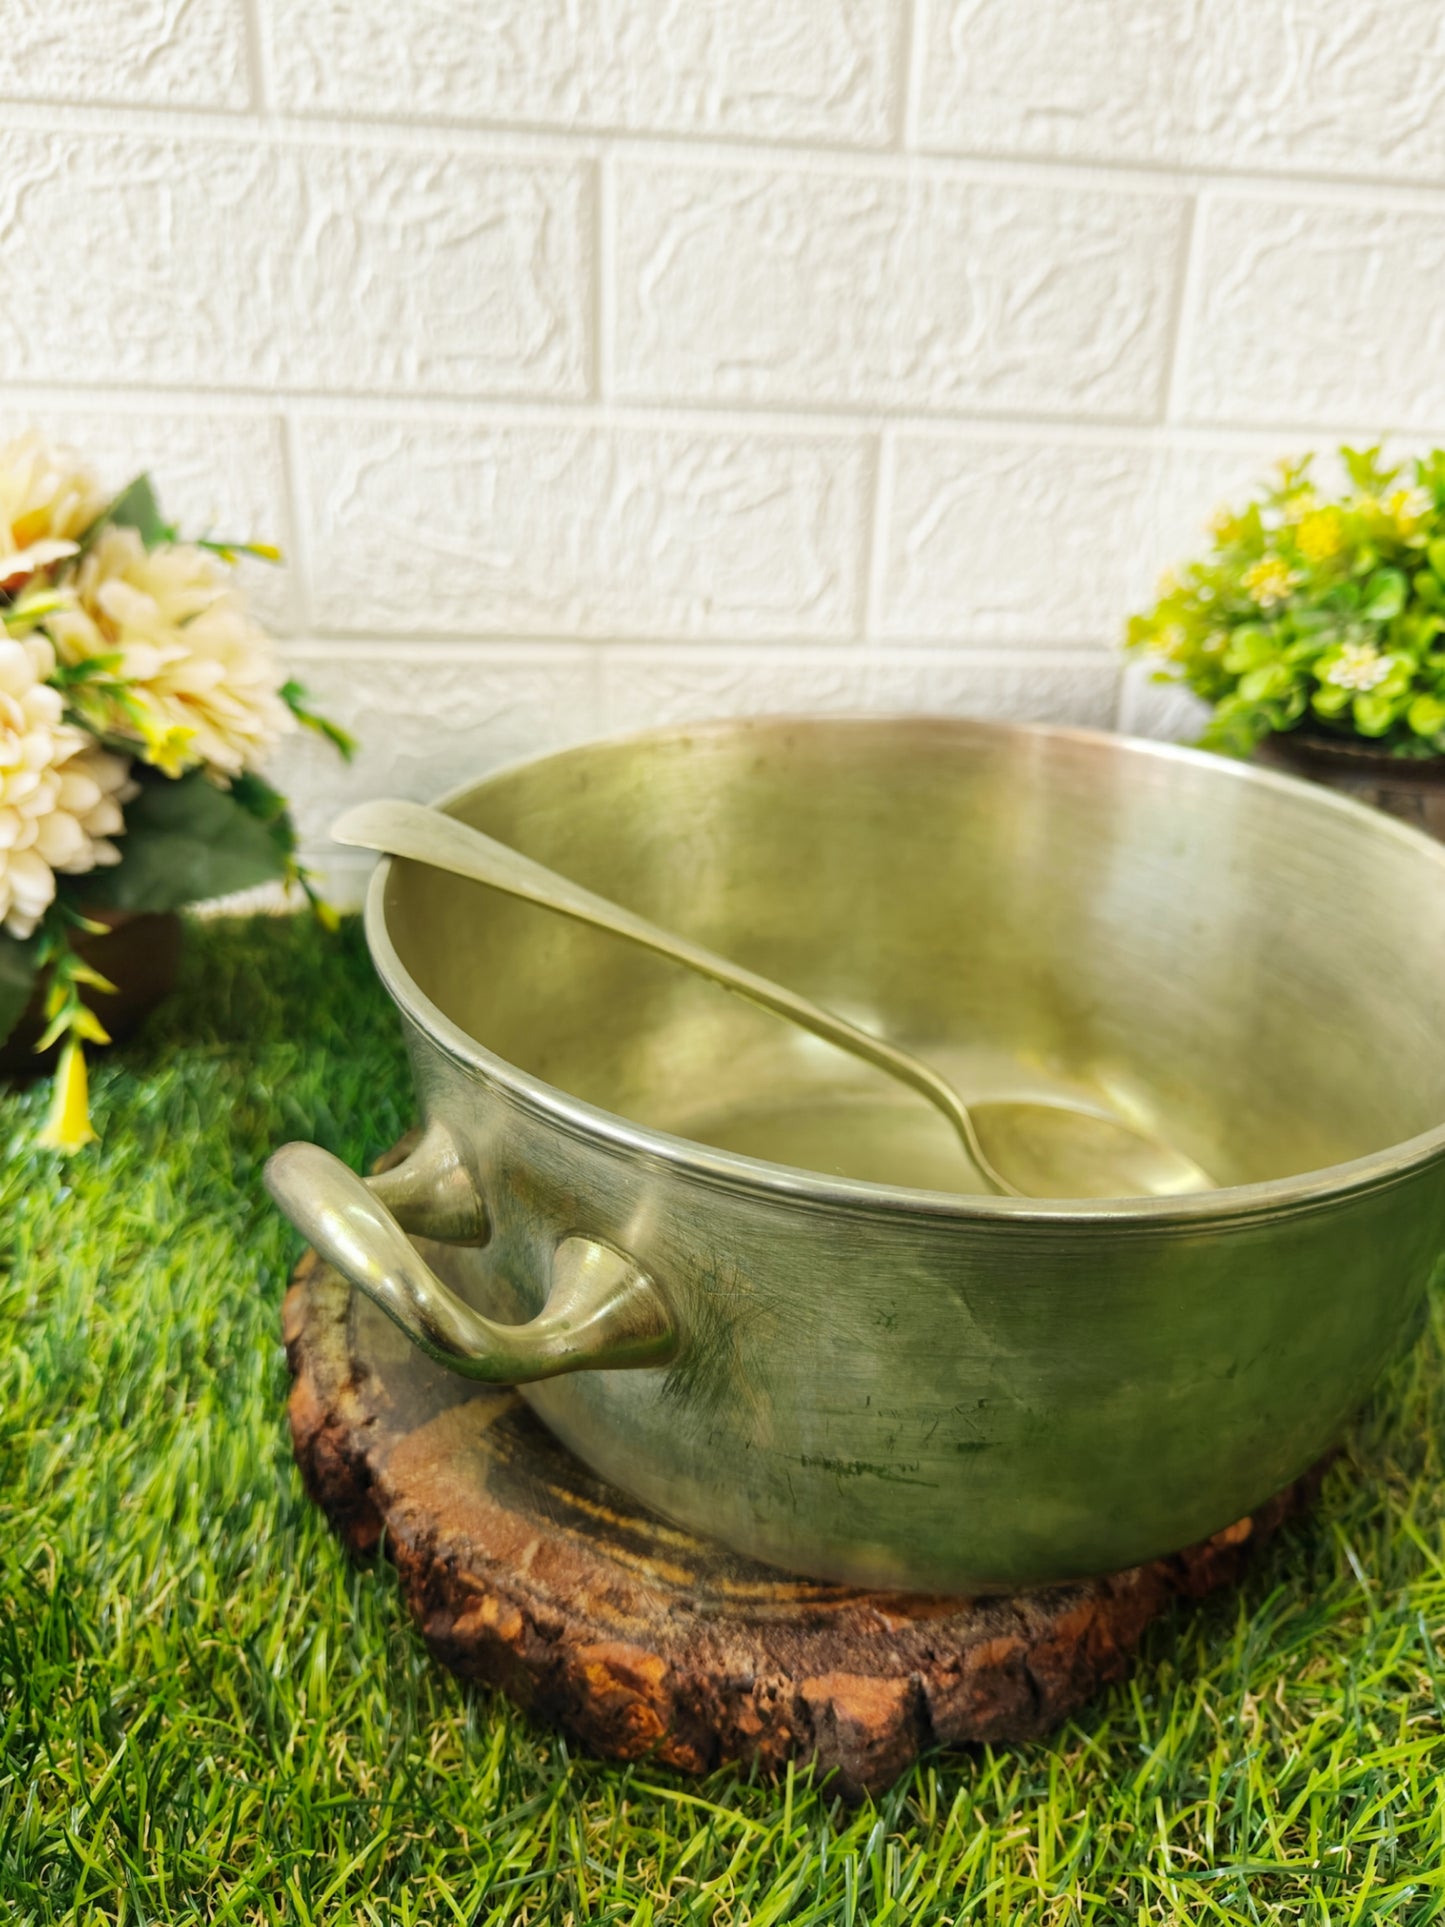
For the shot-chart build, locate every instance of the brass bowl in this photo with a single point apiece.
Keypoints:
(777, 1314)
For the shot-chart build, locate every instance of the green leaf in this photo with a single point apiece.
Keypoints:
(297, 701)
(1330, 700)
(186, 841)
(1426, 716)
(1374, 713)
(1250, 647)
(1436, 552)
(1385, 594)
(1271, 680)
(18, 967)
(136, 508)
(1365, 469)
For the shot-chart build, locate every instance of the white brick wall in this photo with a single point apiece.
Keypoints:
(598, 366)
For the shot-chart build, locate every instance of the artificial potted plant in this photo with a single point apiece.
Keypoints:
(1315, 629)
(138, 698)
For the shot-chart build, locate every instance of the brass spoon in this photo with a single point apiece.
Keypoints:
(1053, 1149)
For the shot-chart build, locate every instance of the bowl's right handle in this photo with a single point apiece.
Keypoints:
(602, 1312)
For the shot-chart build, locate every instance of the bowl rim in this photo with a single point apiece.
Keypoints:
(734, 1171)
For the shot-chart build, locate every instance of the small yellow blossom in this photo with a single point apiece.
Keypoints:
(1407, 508)
(1223, 525)
(68, 1126)
(1169, 584)
(1321, 534)
(1269, 581)
(1302, 503)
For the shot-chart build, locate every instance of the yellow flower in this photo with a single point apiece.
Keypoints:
(197, 679)
(1223, 525)
(1269, 581)
(68, 1126)
(48, 498)
(1407, 508)
(1169, 585)
(1321, 534)
(1302, 503)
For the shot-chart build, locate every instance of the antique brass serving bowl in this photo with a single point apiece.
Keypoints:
(755, 1282)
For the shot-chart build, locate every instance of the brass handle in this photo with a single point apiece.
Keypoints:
(602, 1312)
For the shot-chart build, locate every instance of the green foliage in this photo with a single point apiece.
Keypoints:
(209, 1715)
(187, 840)
(1316, 612)
(136, 508)
(296, 700)
(19, 964)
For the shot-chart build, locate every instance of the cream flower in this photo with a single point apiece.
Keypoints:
(1359, 666)
(48, 499)
(60, 795)
(193, 679)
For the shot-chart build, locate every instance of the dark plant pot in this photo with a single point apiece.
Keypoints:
(1412, 788)
(139, 954)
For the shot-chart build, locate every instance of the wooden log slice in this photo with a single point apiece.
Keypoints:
(526, 1571)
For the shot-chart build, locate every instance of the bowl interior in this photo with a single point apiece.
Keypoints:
(1241, 963)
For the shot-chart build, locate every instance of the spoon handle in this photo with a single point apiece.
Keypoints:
(429, 836)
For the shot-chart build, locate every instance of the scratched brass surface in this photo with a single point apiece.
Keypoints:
(877, 1374)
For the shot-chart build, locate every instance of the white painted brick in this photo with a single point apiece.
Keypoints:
(200, 261)
(1020, 540)
(1022, 687)
(541, 529)
(427, 720)
(925, 291)
(644, 688)
(1166, 711)
(1313, 312)
(782, 69)
(154, 53)
(215, 475)
(1345, 86)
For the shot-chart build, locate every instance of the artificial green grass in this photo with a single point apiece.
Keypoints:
(208, 1714)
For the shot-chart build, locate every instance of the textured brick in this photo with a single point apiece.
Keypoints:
(1309, 311)
(925, 290)
(215, 475)
(641, 688)
(537, 529)
(1353, 86)
(428, 719)
(1023, 540)
(199, 261)
(1166, 711)
(161, 53)
(787, 69)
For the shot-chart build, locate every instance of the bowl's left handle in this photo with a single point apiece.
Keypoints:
(602, 1311)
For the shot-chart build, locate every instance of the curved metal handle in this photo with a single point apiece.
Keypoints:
(602, 1312)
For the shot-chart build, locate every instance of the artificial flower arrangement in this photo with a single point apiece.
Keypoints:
(138, 698)
(1321, 613)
